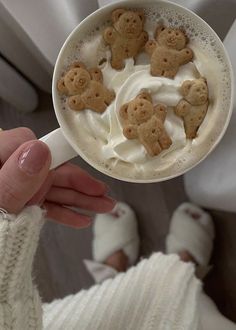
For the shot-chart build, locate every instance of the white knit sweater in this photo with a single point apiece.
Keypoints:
(159, 293)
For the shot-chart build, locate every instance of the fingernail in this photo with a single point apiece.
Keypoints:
(104, 188)
(87, 223)
(111, 201)
(107, 188)
(33, 158)
(82, 224)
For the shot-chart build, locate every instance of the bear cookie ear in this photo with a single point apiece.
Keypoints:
(143, 94)
(141, 15)
(185, 88)
(116, 14)
(159, 29)
(78, 65)
(181, 29)
(124, 111)
(61, 86)
(203, 79)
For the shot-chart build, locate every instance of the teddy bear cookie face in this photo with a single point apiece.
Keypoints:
(85, 88)
(139, 111)
(195, 91)
(171, 38)
(129, 24)
(76, 80)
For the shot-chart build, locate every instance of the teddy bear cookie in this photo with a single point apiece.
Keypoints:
(126, 38)
(168, 52)
(193, 107)
(85, 89)
(145, 122)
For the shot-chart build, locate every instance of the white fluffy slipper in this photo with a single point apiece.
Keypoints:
(192, 230)
(113, 232)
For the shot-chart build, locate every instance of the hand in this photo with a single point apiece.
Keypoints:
(182, 108)
(150, 47)
(109, 35)
(25, 179)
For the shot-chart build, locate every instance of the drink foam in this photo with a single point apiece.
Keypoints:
(95, 134)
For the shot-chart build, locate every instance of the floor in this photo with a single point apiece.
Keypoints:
(59, 268)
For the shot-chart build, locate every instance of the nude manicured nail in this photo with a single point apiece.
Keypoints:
(33, 158)
(111, 200)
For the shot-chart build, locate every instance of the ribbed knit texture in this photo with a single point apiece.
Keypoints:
(160, 293)
(20, 305)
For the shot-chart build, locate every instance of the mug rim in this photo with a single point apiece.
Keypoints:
(61, 120)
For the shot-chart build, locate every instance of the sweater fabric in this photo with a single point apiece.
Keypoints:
(159, 293)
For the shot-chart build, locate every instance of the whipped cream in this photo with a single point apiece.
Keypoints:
(107, 128)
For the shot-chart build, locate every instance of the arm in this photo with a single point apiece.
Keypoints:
(109, 95)
(109, 35)
(75, 103)
(150, 47)
(130, 132)
(61, 86)
(160, 111)
(19, 236)
(124, 111)
(182, 108)
(96, 74)
(143, 38)
(185, 55)
(164, 140)
(25, 180)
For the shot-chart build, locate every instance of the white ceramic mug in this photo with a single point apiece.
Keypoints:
(62, 141)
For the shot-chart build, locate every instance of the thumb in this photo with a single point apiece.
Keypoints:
(23, 174)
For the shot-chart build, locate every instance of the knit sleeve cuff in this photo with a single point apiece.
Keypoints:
(19, 236)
